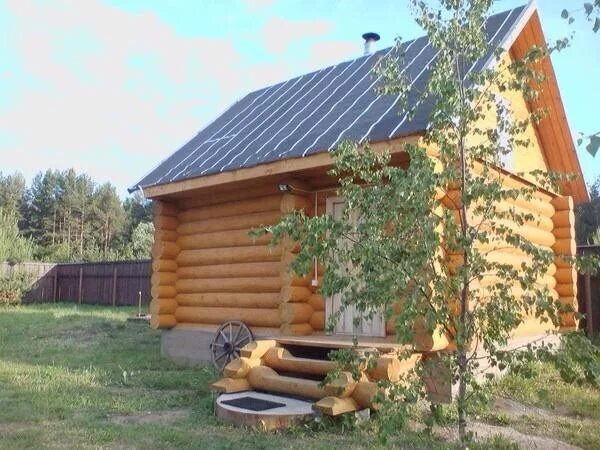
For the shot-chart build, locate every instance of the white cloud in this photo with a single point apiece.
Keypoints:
(258, 4)
(87, 102)
(279, 33)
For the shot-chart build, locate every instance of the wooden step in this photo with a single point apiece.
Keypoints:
(280, 359)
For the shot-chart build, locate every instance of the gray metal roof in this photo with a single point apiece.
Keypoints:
(313, 113)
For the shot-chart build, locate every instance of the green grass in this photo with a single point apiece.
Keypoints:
(62, 380)
(67, 371)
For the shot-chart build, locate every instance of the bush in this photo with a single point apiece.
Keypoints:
(13, 285)
(14, 248)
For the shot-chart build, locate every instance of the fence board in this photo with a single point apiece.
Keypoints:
(99, 285)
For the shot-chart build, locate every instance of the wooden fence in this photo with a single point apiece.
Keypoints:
(117, 283)
(588, 293)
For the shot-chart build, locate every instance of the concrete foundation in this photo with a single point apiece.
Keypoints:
(189, 346)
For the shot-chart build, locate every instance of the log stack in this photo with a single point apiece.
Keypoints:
(164, 266)
(565, 246)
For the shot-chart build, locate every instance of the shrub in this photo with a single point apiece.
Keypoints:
(13, 285)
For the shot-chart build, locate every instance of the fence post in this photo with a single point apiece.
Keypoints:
(589, 312)
(80, 284)
(114, 286)
(55, 287)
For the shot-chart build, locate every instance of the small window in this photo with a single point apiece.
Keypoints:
(505, 151)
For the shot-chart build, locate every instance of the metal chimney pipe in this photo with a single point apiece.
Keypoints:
(370, 40)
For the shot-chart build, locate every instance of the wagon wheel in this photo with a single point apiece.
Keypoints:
(228, 341)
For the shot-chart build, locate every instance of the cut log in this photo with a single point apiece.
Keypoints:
(295, 293)
(258, 348)
(259, 253)
(234, 208)
(317, 302)
(251, 316)
(162, 321)
(280, 359)
(218, 194)
(295, 312)
(334, 406)
(296, 329)
(365, 394)
(564, 219)
(165, 223)
(342, 386)
(163, 306)
(255, 269)
(231, 238)
(292, 202)
(163, 278)
(162, 208)
(165, 250)
(317, 320)
(163, 292)
(202, 285)
(164, 265)
(266, 379)
(564, 232)
(566, 275)
(290, 279)
(228, 299)
(562, 203)
(566, 247)
(566, 289)
(230, 385)
(243, 222)
(165, 236)
(239, 368)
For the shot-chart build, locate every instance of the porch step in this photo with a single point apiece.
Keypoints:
(267, 366)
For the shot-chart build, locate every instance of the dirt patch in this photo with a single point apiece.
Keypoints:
(157, 417)
(482, 431)
(513, 408)
(13, 427)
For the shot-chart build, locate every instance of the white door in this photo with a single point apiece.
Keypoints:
(346, 324)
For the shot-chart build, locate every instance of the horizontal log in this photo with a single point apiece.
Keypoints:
(391, 367)
(165, 250)
(163, 291)
(219, 195)
(251, 316)
(162, 208)
(164, 265)
(342, 386)
(295, 312)
(165, 236)
(290, 279)
(248, 284)
(162, 321)
(218, 239)
(230, 385)
(564, 219)
(234, 208)
(317, 302)
(280, 359)
(564, 232)
(228, 299)
(566, 275)
(266, 379)
(334, 406)
(256, 349)
(165, 223)
(294, 202)
(566, 289)
(562, 261)
(295, 293)
(254, 269)
(212, 256)
(562, 203)
(163, 306)
(317, 320)
(243, 222)
(163, 278)
(239, 368)
(538, 221)
(566, 247)
(296, 329)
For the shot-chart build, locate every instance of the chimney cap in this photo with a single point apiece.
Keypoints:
(371, 36)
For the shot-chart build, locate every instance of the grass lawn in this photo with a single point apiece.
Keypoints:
(83, 377)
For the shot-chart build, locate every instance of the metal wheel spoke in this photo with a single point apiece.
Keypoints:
(228, 340)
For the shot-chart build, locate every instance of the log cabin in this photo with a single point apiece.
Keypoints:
(268, 155)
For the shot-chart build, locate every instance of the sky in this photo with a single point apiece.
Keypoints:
(112, 87)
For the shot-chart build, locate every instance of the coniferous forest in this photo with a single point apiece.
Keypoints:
(64, 216)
